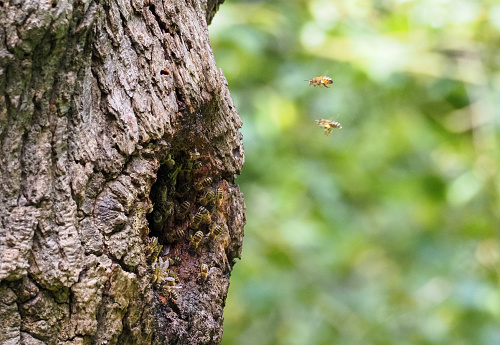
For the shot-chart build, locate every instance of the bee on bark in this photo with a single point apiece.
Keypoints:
(160, 270)
(216, 231)
(197, 165)
(157, 220)
(203, 272)
(318, 81)
(196, 220)
(219, 196)
(172, 274)
(202, 210)
(152, 249)
(195, 240)
(166, 209)
(328, 125)
(169, 291)
(183, 190)
(203, 183)
(175, 261)
(207, 198)
(182, 210)
(172, 176)
(175, 235)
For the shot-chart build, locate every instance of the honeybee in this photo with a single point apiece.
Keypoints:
(172, 176)
(216, 231)
(152, 249)
(196, 220)
(157, 220)
(219, 196)
(203, 272)
(207, 181)
(195, 240)
(183, 190)
(197, 165)
(160, 270)
(163, 193)
(175, 261)
(207, 198)
(328, 125)
(175, 235)
(169, 289)
(182, 210)
(321, 81)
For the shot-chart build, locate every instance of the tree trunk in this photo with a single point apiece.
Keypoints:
(112, 117)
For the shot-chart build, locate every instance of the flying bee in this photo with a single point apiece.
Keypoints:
(203, 272)
(207, 198)
(328, 125)
(196, 220)
(321, 81)
(175, 235)
(195, 240)
(182, 210)
(207, 181)
(216, 231)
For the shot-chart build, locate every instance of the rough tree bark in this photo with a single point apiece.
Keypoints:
(112, 117)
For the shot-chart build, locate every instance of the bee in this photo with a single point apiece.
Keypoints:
(207, 198)
(157, 220)
(160, 270)
(169, 161)
(163, 193)
(328, 125)
(203, 183)
(175, 261)
(197, 165)
(172, 274)
(196, 220)
(172, 176)
(219, 196)
(194, 155)
(165, 208)
(183, 210)
(183, 190)
(169, 290)
(216, 231)
(203, 272)
(195, 240)
(175, 235)
(202, 210)
(152, 249)
(321, 81)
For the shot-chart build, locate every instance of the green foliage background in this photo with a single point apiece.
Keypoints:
(386, 231)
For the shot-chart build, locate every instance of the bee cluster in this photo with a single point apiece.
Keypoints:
(327, 125)
(187, 206)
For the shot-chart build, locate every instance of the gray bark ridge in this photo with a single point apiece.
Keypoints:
(112, 112)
